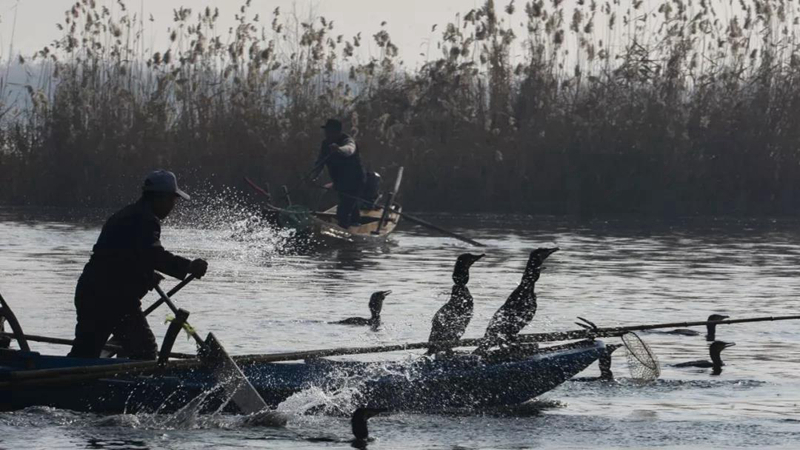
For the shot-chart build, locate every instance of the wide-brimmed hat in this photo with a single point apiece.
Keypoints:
(163, 181)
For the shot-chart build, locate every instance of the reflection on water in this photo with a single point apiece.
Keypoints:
(616, 271)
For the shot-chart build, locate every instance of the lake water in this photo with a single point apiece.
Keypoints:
(258, 299)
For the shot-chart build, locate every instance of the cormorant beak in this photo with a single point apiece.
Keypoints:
(385, 293)
(729, 344)
(548, 251)
(477, 257)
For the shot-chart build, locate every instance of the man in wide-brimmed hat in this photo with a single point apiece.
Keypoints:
(340, 154)
(122, 269)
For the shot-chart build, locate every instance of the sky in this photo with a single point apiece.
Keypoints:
(409, 22)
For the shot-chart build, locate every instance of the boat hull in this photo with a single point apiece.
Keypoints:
(422, 384)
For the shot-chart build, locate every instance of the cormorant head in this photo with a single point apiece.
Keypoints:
(463, 263)
(716, 349)
(359, 422)
(537, 257)
(712, 327)
(376, 302)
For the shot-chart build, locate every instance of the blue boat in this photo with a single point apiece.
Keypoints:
(462, 381)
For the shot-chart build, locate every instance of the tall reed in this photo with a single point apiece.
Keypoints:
(613, 107)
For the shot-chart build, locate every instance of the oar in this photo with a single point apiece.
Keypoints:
(237, 386)
(113, 346)
(171, 292)
(418, 221)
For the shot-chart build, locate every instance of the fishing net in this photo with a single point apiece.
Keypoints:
(296, 216)
(642, 362)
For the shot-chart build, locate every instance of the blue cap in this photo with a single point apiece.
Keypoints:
(163, 181)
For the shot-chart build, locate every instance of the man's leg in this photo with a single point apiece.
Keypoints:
(133, 332)
(355, 212)
(92, 330)
(344, 211)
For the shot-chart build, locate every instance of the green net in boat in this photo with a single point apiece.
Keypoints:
(295, 216)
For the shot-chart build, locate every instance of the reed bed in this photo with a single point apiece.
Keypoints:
(666, 108)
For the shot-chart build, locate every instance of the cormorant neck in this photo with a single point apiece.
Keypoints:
(461, 277)
(716, 359)
(711, 335)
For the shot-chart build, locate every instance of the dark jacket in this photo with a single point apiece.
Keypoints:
(128, 252)
(344, 167)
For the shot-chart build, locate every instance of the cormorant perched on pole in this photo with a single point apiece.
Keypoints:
(519, 308)
(715, 352)
(375, 307)
(450, 322)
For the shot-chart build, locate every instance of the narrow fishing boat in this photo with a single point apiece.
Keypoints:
(379, 218)
(422, 384)
(108, 385)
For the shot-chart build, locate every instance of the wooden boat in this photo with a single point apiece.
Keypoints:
(420, 384)
(378, 220)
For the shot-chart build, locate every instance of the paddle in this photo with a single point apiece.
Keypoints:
(225, 370)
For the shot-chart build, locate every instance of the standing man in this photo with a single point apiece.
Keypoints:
(340, 153)
(122, 269)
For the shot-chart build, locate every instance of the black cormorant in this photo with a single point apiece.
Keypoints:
(359, 423)
(715, 351)
(451, 320)
(520, 307)
(375, 307)
(604, 362)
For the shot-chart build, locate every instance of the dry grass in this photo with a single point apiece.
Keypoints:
(670, 108)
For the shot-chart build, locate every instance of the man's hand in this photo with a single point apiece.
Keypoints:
(198, 268)
(328, 185)
(334, 147)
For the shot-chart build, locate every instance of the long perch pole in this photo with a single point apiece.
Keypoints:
(86, 373)
(526, 338)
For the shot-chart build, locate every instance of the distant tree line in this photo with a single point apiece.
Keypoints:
(613, 108)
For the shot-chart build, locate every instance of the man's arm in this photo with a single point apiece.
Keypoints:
(163, 261)
(348, 148)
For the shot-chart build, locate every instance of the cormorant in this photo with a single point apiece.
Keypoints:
(714, 350)
(710, 333)
(451, 320)
(375, 307)
(604, 363)
(712, 327)
(520, 307)
(359, 423)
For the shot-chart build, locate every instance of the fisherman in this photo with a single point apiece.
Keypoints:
(122, 269)
(340, 153)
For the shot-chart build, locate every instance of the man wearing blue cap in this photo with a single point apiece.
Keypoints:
(122, 269)
(340, 153)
